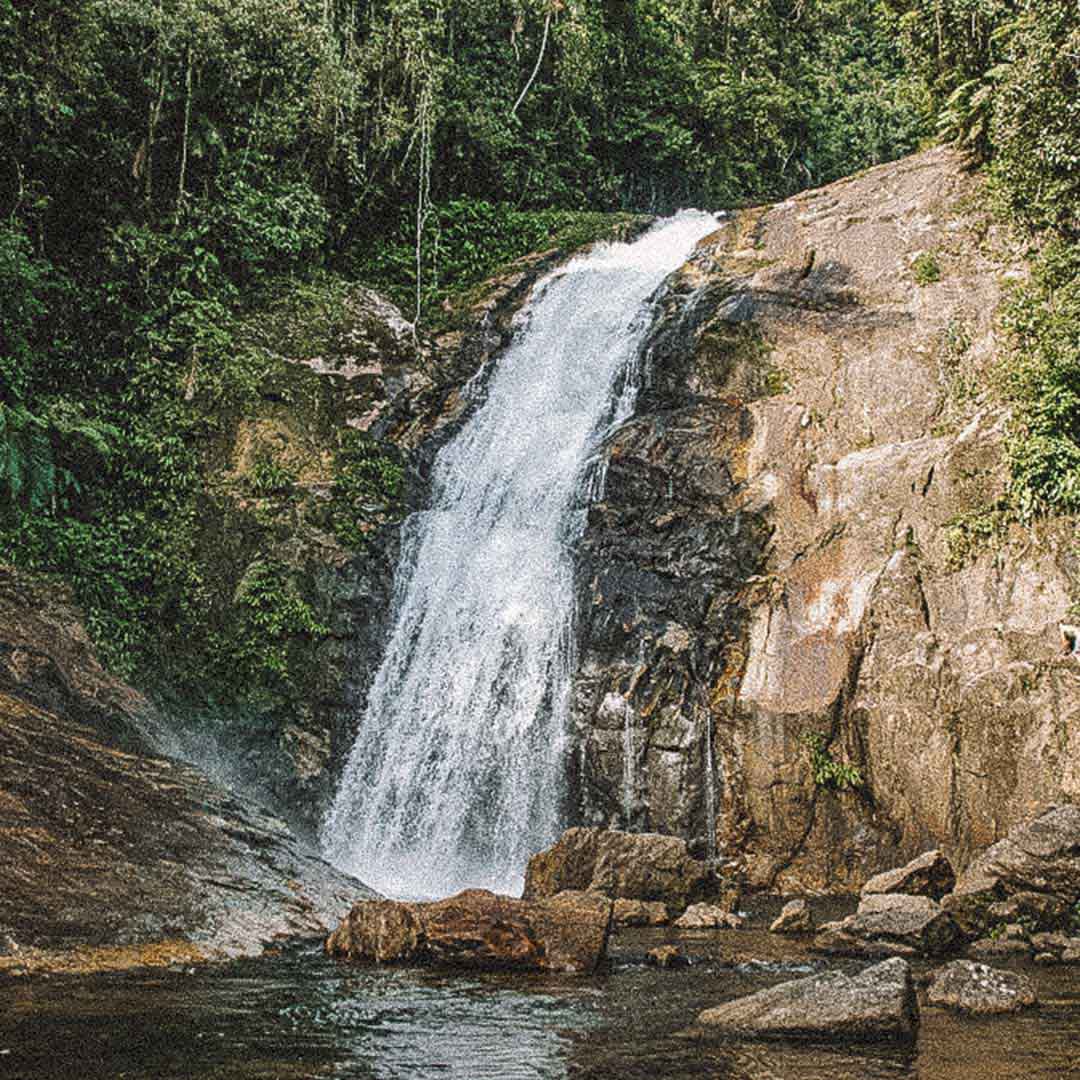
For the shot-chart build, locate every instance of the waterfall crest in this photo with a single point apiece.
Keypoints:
(457, 773)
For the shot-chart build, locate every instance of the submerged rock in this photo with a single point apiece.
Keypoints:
(666, 956)
(794, 918)
(891, 924)
(980, 989)
(481, 930)
(635, 866)
(931, 874)
(878, 1003)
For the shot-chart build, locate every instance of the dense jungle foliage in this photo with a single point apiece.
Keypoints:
(173, 166)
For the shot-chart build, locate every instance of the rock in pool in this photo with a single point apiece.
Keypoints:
(478, 929)
(980, 989)
(879, 1003)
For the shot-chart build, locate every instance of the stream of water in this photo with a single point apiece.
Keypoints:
(457, 774)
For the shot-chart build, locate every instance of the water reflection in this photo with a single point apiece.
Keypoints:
(303, 1016)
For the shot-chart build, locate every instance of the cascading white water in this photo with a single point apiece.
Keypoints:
(456, 777)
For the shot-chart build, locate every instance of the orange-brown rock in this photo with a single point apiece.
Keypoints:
(640, 913)
(635, 866)
(479, 929)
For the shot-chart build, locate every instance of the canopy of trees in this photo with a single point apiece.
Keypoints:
(170, 164)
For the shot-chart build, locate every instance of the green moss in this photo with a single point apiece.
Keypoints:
(925, 269)
(969, 534)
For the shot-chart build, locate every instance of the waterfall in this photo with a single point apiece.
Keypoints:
(457, 773)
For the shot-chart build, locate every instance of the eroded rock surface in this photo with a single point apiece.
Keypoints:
(707, 917)
(1033, 873)
(481, 930)
(980, 989)
(794, 918)
(878, 1003)
(778, 581)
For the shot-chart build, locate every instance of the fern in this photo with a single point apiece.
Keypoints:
(30, 474)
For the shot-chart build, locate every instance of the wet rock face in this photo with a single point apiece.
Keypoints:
(362, 379)
(112, 850)
(630, 866)
(480, 930)
(659, 569)
(774, 584)
(980, 989)
(878, 1003)
(47, 659)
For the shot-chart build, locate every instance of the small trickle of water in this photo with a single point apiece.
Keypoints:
(457, 773)
(710, 788)
(628, 765)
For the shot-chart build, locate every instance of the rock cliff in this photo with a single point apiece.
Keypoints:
(115, 856)
(792, 643)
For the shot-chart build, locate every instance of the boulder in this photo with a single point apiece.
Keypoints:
(640, 913)
(877, 1003)
(1001, 948)
(1038, 861)
(794, 918)
(891, 924)
(707, 917)
(1053, 943)
(481, 930)
(931, 874)
(1037, 910)
(633, 866)
(978, 988)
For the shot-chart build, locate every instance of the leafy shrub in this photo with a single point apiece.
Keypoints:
(1042, 374)
(269, 477)
(368, 487)
(272, 615)
(825, 769)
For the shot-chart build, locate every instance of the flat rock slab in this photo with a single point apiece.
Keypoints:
(640, 913)
(877, 1004)
(980, 989)
(114, 858)
(479, 930)
(931, 874)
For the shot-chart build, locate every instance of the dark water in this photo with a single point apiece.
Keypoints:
(300, 1015)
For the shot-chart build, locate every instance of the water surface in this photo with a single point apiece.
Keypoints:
(302, 1015)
